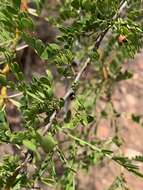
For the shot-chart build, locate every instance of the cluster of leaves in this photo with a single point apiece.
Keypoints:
(100, 33)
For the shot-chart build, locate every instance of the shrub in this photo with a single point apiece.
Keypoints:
(95, 37)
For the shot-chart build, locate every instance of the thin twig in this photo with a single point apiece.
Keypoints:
(15, 95)
(47, 127)
(67, 95)
(21, 47)
(70, 91)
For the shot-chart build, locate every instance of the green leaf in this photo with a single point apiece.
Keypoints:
(47, 142)
(45, 55)
(16, 103)
(34, 96)
(25, 22)
(48, 181)
(2, 116)
(30, 145)
(45, 80)
(15, 67)
(49, 75)
(35, 43)
(3, 80)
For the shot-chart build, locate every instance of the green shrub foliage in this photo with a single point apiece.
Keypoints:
(94, 37)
